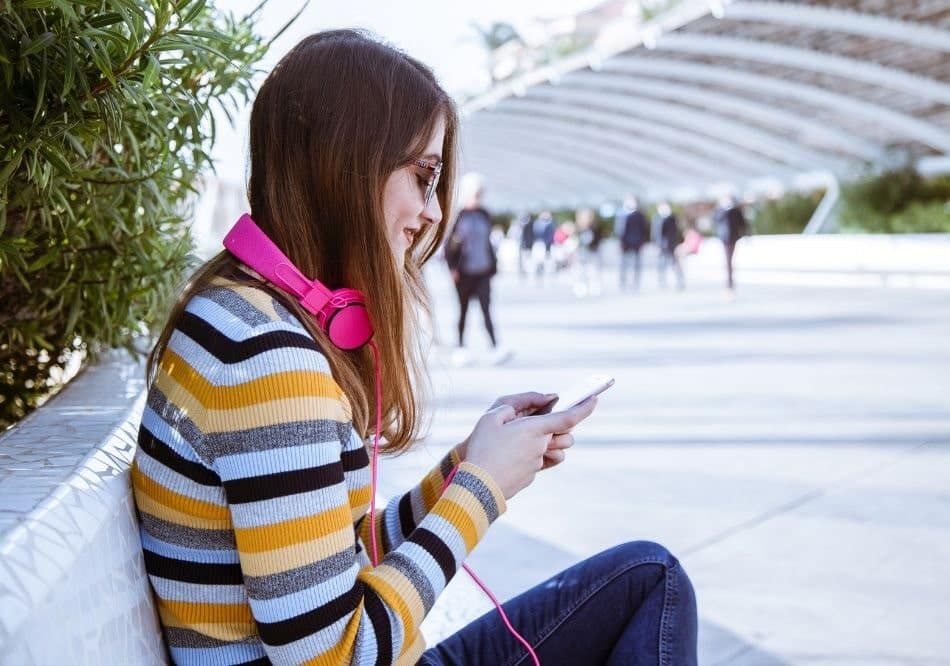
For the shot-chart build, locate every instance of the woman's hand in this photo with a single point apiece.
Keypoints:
(524, 404)
(513, 449)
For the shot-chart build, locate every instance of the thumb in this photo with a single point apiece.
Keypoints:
(502, 414)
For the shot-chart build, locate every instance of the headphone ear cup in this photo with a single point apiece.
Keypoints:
(345, 320)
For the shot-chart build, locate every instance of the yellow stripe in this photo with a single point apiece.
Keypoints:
(147, 505)
(342, 652)
(176, 501)
(275, 386)
(458, 516)
(431, 490)
(291, 532)
(412, 650)
(297, 555)
(359, 499)
(276, 412)
(187, 613)
(272, 412)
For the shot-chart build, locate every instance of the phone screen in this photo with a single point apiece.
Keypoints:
(578, 393)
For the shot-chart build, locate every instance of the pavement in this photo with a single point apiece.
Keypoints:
(791, 446)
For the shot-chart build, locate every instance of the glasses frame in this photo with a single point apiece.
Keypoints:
(436, 169)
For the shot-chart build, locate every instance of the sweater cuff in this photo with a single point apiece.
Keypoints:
(481, 487)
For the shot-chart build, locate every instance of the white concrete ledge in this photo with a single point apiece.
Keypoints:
(73, 587)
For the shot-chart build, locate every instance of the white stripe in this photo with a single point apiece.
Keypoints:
(271, 511)
(284, 459)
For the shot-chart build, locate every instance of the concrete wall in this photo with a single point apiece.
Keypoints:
(72, 583)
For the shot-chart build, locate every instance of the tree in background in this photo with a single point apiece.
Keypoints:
(897, 201)
(105, 128)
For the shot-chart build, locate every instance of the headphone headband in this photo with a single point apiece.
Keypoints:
(341, 314)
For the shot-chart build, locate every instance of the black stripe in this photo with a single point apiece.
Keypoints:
(305, 624)
(204, 573)
(227, 350)
(441, 553)
(281, 484)
(406, 522)
(166, 455)
(263, 661)
(384, 631)
(355, 459)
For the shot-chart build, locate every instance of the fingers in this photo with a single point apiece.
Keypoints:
(552, 458)
(562, 441)
(562, 422)
(526, 403)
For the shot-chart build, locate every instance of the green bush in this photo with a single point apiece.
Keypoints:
(105, 128)
(898, 201)
(787, 215)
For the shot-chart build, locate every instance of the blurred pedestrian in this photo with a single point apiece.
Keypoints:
(666, 233)
(542, 231)
(731, 225)
(523, 223)
(692, 241)
(631, 229)
(471, 256)
(589, 235)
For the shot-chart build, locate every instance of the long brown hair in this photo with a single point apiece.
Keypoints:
(337, 116)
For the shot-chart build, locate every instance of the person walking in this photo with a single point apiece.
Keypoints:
(295, 356)
(666, 233)
(471, 257)
(631, 229)
(731, 225)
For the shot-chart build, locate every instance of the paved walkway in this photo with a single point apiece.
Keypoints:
(791, 446)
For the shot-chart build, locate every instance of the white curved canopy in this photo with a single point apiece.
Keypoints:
(720, 95)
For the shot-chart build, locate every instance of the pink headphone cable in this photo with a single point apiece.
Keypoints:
(448, 480)
(379, 426)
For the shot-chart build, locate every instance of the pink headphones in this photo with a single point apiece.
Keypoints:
(340, 313)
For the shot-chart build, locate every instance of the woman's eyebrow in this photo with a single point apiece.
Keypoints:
(432, 157)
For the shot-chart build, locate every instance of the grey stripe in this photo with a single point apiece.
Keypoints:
(288, 582)
(188, 638)
(276, 436)
(416, 576)
(287, 316)
(236, 305)
(176, 419)
(190, 537)
(480, 490)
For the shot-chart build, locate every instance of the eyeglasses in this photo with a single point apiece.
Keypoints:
(433, 181)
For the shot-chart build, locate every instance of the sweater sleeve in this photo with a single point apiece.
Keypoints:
(403, 514)
(276, 445)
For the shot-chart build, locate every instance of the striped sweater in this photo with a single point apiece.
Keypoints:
(253, 488)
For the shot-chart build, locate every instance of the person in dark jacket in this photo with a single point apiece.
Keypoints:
(631, 229)
(731, 225)
(666, 231)
(471, 259)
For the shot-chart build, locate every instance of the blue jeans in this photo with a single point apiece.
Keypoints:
(630, 605)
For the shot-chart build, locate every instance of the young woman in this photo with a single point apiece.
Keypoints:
(253, 475)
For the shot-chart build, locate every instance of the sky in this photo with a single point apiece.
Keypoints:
(439, 34)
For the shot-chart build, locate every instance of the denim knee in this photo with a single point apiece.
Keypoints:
(647, 551)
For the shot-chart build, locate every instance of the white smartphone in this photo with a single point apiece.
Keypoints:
(578, 393)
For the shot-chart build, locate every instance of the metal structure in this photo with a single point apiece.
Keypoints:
(722, 96)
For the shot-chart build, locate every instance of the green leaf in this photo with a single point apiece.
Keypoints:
(150, 76)
(9, 168)
(104, 20)
(43, 41)
(36, 4)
